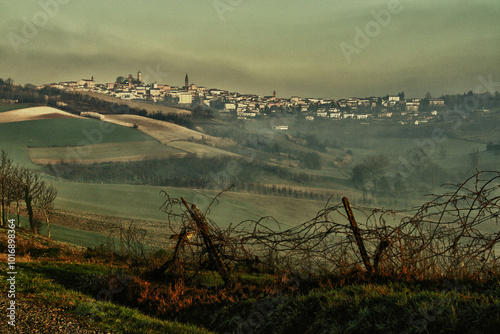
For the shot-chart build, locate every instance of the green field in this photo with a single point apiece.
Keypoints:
(52, 285)
(69, 235)
(132, 201)
(143, 202)
(16, 137)
(10, 107)
(121, 151)
(68, 132)
(76, 237)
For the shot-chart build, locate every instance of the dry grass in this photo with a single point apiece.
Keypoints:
(34, 247)
(35, 113)
(201, 150)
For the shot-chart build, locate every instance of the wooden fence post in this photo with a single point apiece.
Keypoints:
(357, 235)
(213, 252)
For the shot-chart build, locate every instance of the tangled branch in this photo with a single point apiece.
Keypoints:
(454, 235)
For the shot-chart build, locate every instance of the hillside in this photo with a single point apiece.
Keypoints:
(16, 137)
(100, 153)
(116, 170)
(172, 135)
(63, 288)
(89, 142)
(54, 287)
(151, 108)
(35, 113)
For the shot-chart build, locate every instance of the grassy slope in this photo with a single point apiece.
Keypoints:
(68, 131)
(65, 284)
(371, 308)
(143, 202)
(63, 279)
(9, 107)
(122, 151)
(15, 137)
(69, 235)
(138, 202)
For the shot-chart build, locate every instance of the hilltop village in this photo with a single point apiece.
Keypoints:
(246, 106)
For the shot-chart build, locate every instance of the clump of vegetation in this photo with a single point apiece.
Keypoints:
(492, 147)
(200, 174)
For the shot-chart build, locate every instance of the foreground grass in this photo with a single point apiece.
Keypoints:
(64, 277)
(49, 283)
(370, 308)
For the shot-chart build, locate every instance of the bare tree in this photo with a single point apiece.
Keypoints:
(45, 201)
(17, 191)
(32, 185)
(5, 186)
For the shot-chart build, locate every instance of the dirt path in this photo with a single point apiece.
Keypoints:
(36, 317)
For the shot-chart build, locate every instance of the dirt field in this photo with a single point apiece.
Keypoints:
(165, 132)
(170, 134)
(35, 113)
(151, 108)
(103, 160)
(108, 152)
(201, 150)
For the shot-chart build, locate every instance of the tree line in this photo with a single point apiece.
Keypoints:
(203, 173)
(172, 171)
(18, 185)
(23, 94)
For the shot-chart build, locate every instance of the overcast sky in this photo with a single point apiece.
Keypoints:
(317, 48)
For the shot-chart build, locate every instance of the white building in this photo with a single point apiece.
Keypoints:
(86, 83)
(394, 98)
(436, 102)
(185, 98)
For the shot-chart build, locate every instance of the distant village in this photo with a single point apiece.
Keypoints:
(247, 106)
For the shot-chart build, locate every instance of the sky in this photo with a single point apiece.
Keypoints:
(324, 49)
